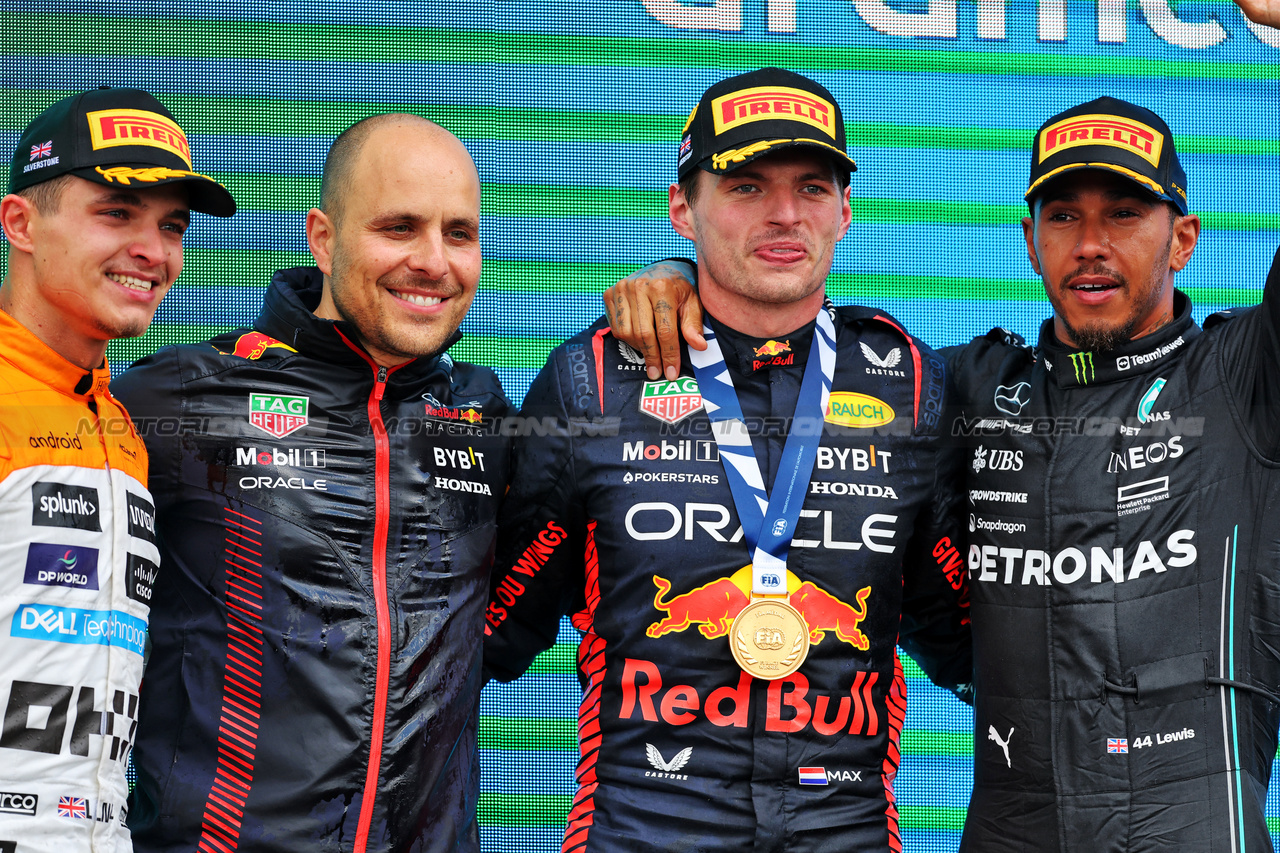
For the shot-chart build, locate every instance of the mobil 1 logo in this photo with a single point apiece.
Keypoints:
(65, 505)
(142, 518)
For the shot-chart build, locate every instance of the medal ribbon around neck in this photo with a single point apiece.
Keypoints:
(768, 521)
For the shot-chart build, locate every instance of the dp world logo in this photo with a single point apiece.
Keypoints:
(277, 414)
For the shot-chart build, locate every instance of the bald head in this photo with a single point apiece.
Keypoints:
(340, 165)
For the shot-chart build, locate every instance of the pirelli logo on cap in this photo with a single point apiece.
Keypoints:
(109, 128)
(773, 103)
(1109, 130)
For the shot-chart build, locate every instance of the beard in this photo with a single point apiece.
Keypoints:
(1102, 336)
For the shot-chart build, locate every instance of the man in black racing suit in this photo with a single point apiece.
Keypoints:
(1123, 550)
(326, 490)
(621, 513)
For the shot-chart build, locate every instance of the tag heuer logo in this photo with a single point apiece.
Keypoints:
(278, 415)
(671, 400)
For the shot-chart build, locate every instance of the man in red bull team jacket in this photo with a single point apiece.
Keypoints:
(626, 512)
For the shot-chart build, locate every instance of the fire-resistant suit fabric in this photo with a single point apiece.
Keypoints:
(1124, 562)
(327, 527)
(79, 552)
(620, 515)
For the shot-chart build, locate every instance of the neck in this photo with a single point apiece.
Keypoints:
(50, 327)
(759, 319)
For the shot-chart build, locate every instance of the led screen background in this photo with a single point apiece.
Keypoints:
(572, 110)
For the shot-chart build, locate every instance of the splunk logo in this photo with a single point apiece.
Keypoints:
(64, 505)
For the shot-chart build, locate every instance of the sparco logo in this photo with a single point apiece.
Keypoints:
(18, 803)
(64, 505)
(580, 374)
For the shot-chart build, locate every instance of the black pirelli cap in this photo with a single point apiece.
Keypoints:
(114, 137)
(1113, 135)
(744, 117)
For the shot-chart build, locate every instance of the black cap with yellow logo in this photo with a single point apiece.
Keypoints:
(115, 137)
(1115, 135)
(743, 117)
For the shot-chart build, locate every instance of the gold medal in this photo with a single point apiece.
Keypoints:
(769, 638)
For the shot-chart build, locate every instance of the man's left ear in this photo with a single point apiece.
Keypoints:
(1186, 232)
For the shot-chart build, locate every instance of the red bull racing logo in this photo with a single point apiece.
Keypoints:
(714, 606)
(254, 345)
(773, 354)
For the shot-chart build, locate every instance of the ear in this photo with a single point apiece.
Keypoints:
(681, 213)
(1029, 232)
(16, 217)
(846, 212)
(1186, 232)
(320, 238)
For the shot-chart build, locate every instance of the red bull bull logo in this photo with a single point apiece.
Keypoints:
(254, 344)
(773, 348)
(773, 354)
(714, 606)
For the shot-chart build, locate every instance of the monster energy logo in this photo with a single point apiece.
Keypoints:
(1083, 364)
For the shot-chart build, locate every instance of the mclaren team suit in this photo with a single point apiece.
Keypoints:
(1124, 563)
(327, 528)
(77, 544)
(622, 517)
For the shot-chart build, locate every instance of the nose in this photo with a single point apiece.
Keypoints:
(149, 245)
(428, 256)
(784, 209)
(1091, 239)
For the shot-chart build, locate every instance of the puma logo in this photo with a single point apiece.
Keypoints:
(994, 735)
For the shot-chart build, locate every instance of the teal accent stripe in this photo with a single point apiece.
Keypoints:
(1231, 664)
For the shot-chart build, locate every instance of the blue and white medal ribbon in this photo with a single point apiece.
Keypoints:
(768, 521)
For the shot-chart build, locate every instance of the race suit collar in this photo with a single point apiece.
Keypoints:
(36, 359)
(287, 316)
(1072, 368)
(745, 354)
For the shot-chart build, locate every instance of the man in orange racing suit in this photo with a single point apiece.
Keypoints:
(100, 192)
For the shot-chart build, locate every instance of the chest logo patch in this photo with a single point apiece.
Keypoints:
(278, 414)
(1012, 399)
(851, 409)
(671, 401)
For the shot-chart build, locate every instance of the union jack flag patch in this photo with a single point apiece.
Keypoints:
(73, 807)
(42, 150)
(1117, 744)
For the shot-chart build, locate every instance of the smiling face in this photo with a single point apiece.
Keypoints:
(765, 233)
(95, 265)
(1107, 253)
(401, 254)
